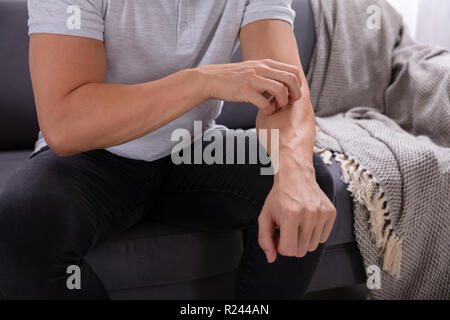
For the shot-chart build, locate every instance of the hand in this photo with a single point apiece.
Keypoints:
(267, 84)
(302, 212)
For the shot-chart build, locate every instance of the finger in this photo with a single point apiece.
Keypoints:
(287, 245)
(272, 99)
(304, 237)
(326, 231)
(263, 104)
(289, 80)
(315, 238)
(268, 96)
(285, 67)
(266, 235)
(275, 88)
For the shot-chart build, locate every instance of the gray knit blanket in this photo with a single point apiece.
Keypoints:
(383, 111)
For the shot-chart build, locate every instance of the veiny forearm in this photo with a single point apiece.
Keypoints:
(296, 122)
(295, 205)
(297, 134)
(101, 115)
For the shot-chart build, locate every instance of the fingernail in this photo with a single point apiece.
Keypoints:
(269, 257)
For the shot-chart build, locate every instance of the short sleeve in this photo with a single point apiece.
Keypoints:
(268, 9)
(82, 18)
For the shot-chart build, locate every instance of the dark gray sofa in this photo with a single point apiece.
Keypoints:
(151, 260)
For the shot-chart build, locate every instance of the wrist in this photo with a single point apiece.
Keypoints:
(292, 163)
(198, 83)
(205, 81)
(296, 167)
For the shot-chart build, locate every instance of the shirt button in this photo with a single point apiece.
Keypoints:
(184, 26)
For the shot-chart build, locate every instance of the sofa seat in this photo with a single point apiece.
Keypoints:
(149, 255)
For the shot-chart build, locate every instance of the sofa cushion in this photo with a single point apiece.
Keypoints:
(153, 254)
(343, 226)
(18, 121)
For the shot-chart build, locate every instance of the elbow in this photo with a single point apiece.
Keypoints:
(58, 128)
(59, 143)
(63, 152)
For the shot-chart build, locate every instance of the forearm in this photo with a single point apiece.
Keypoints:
(295, 205)
(101, 115)
(296, 125)
(296, 122)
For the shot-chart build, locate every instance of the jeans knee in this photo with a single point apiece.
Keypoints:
(37, 222)
(40, 235)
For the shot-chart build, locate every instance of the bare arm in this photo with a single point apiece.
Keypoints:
(274, 39)
(78, 111)
(295, 204)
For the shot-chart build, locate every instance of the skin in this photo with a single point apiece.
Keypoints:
(78, 112)
(296, 204)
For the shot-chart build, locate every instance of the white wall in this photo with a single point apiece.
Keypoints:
(428, 20)
(410, 10)
(434, 22)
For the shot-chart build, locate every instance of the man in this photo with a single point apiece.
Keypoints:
(112, 81)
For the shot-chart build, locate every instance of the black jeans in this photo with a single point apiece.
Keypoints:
(55, 209)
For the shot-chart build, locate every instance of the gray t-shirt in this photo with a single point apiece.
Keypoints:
(148, 40)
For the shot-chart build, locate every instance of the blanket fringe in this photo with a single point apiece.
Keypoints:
(367, 191)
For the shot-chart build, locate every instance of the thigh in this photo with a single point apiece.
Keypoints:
(224, 195)
(221, 196)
